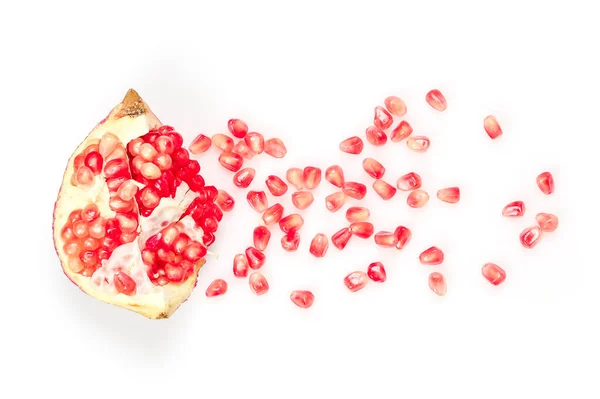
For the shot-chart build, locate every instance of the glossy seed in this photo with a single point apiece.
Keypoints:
(319, 245)
(491, 126)
(335, 175)
(290, 241)
(240, 265)
(237, 127)
(408, 182)
(547, 222)
(256, 259)
(302, 199)
(258, 283)
(302, 299)
(312, 177)
(376, 272)
(382, 118)
(404, 235)
(384, 190)
(432, 256)
(356, 281)
(291, 222)
(276, 186)
(436, 99)
(531, 236)
(335, 201)
(340, 239)
(417, 198)
(355, 190)
(200, 144)
(231, 161)
(257, 200)
(493, 273)
(437, 283)
(216, 288)
(362, 229)
(224, 201)
(357, 214)
(295, 176)
(260, 237)
(450, 195)
(222, 142)
(418, 143)
(545, 182)
(395, 105)
(514, 209)
(273, 214)
(376, 136)
(401, 132)
(275, 148)
(373, 168)
(244, 177)
(352, 145)
(386, 239)
(256, 142)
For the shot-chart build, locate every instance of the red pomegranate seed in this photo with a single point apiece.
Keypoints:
(431, 256)
(491, 126)
(243, 150)
(362, 229)
(240, 265)
(273, 214)
(395, 105)
(150, 171)
(531, 236)
(514, 209)
(90, 212)
(335, 175)
(231, 161)
(94, 161)
(216, 288)
(200, 144)
(302, 299)
(258, 283)
(224, 201)
(404, 235)
(237, 127)
(223, 142)
(437, 283)
(401, 132)
(124, 284)
(341, 238)
(408, 182)
(127, 190)
(291, 222)
(290, 241)
(295, 176)
(547, 222)
(276, 186)
(256, 142)
(244, 177)
(450, 195)
(84, 176)
(261, 237)
(386, 239)
(373, 168)
(335, 201)
(312, 177)
(418, 143)
(355, 190)
(436, 99)
(352, 145)
(384, 190)
(493, 273)
(275, 148)
(257, 200)
(382, 118)
(319, 245)
(302, 199)
(107, 144)
(356, 281)
(256, 259)
(545, 182)
(417, 199)
(376, 136)
(376, 272)
(357, 214)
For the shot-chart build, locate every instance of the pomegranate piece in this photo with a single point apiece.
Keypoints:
(223, 142)
(357, 214)
(437, 283)
(302, 199)
(382, 118)
(319, 245)
(240, 265)
(514, 209)
(376, 136)
(432, 256)
(362, 229)
(401, 132)
(256, 142)
(491, 126)
(200, 144)
(352, 145)
(216, 288)
(545, 182)
(418, 143)
(493, 273)
(276, 186)
(436, 99)
(450, 195)
(376, 272)
(386, 239)
(231, 161)
(256, 259)
(291, 222)
(312, 177)
(244, 177)
(404, 235)
(237, 127)
(273, 214)
(243, 150)
(373, 168)
(124, 284)
(224, 201)
(356, 281)
(530, 236)
(275, 148)
(258, 283)
(302, 299)
(395, 105)
(295, 176)
(341, 238)
(354, 190)
(257, 200)
(335, 175)
(408, 182)
(290, 241)
(384, 190)
(417, 199)
(547, 222)
(261, 237)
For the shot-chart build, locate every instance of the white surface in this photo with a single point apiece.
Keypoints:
(311, 75)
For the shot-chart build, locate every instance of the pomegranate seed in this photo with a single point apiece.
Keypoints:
(149, 197)
(491, 126)
(216, 288)
(136, 163)
(165, 145)
(362, 229)
(163, 161)
(319, 245)
(243, 150)
(547, 222)
(409, 182)
(124, 284)
(437, 283)
(256, 142)
(418, 143)
(256, 259)
(94, 161)
(96, 229)
(531, 236)
(150, 171)
(72, 249)
(357, 214)
(244, 177)
(403, 234)
(290, 241)
(276, 186)
(373, 168)
(128, 222)
(273, 214)
(431, 256)
(352, 145)
(417, 199)
(240, 265)
(341, 238)
(258, 283)
(401, 132)
(148, 152)
(335, 175)
(355, 190)
(302, 199)
(118, 153)
(118, 205)
(376, 272)
(133, 147)
(384, 190)
(107, 144)
(237, 127)
(356, 281)
(382, 119)
(335, 201)
(376, 136)
(291, 222)
(84, 176)
(261, 237)
(493, 273)
(295, 176)
(224, 201)
(395, 105)
(302, 299)
(514, 209)
(200, 144)
(386, 239)
(231, 161)
(312, 177)
(275, 148)
(450, 195)
(257, 200)
(545, 182)
(90, 212)
(75, 265)
(436, 99)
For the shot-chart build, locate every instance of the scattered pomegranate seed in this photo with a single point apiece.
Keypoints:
(514, 209)
(216, 288)
(273, 214)
(240, 265)
(237, 127)
(275, 148)
(395, 105)
(302, 299)
(353, 145)
(276, 186)
(386, 239)
(431, 256)
(382, 119)
(291, 222)
(244, 177)
(224, 201)
(290, 241)
(123, 283)
(319, 245)
(362, 229)
(547, 222)
(450, 195)
(401, 132)
(436, 99)
(295, 176)
(302, 199)
(261, 236)
(355, 190)
(335, 175)
(335, 201)
(223, 142)
(493, 273)
(256, 259)
(491, 126)
(408, 182)
(417, 199)
(341, 238)
(231, 161)
(256, 142)
(531, 236)
(357, 214)
(545, 182)
(200, 144)
(257, 200)
(376, 272)
(373, 168)
(243, 150)
(384, 190)
(258, 283)
(312, 177)
(437, 283)
(356, 281)
(404, 235)
(418, 143)
(376, 136)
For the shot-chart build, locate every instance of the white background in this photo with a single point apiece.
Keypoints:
(311, 75)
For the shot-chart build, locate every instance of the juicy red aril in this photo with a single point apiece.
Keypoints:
(373, 168)
(400, 132)
(211, 193)
(352, 145)
(216, 288)
(450, 195)
(409, 182)
(200, 144)
(240, 265)
(319, 245)
(335, 201)
(194, 252)
(196, 183)
(491, 126)
(84, 176)
(417, 199)
(223, 142)
(514, 209)
(376, 272)
(258, 283)
(147, 152)
(395, 105)
(356, 281)
(208, 239)
(243, 150)
(90, 212)
(493, 273)
(256, 142)
(295, 176)
(362, 229)
(530, 236)
(418, 143)
(312, 177)
(116, 168)
(244, 177)
(124, 284)
(107, 144)
(302, 299)
(545, 182)
(386, 239)
(256, 259)
(276, 186)
(437, 283)
(174, 273)
(257, 200)
(382, 118)
(547, 222)
(436, 99)
(164, 145)
(275, 148)
(355, 190)
(341, 238)
(94, 161)
(181, 157)
(231, 161)
(384, 190)
(261, 236)
(335, 175)
(302, 199)
(431, 256)
(376, 136)
(291, 222)
(290, 241)
(357, 214)
(273, 214)
(237, 127)
(403, 234)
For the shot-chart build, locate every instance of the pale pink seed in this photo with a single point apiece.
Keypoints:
(437, 283)
(356, 281)
(200, 144)
(491, 126)
(150, 171)
(290, 241)
(148, 152)
(547, 222)
(382, 118)
(163, 161)
(302, 299)
(311, 176)
(107, 144)
(243, 150)
(376, 136)
(436, 99)
(362, 229)
(396, 106)
(273, 214)
(335, 175)
(493, 273)
(275, 148)
(353, 145)
(256, 142)
(302, 199)
(355, 190)
(222, 142)
(134, 146)
(386, 239)
(514, 209)
(418, 143)
(276, 186)
(384, 190)
(432, 256)
(244, 177)
(237, 127)
(373, 168)
(417, 199)
(216, 288)
(335, 201)
(258, 283)
(450, 195)
(409, 182)
(295, 176)
(531, 236)
(401, 132)
(357, 214)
